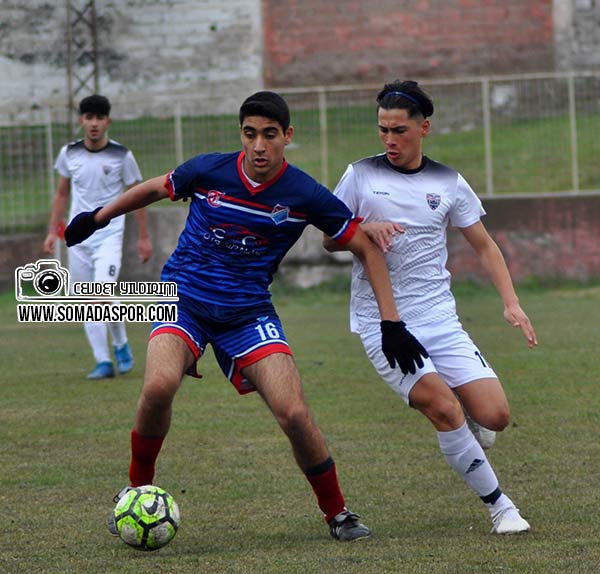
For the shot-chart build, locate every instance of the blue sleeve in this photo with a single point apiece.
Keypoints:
(182, 181)
(332, 216)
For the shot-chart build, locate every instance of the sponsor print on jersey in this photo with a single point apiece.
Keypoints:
(234, 233)
(433, 200)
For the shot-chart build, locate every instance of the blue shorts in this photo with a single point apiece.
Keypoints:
(239, 336)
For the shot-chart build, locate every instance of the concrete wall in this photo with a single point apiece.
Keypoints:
(577, 34)
(147, 48)
(542, 237)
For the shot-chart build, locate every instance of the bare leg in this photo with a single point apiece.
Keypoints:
(437, 402)
(168, 358)
(486, 403)
(278, 383)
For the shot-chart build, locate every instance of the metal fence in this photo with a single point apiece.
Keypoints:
(521, 134)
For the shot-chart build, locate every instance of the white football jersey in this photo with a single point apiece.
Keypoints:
(423, 202)
(97, 178)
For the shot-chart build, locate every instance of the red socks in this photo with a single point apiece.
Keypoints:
(324, 482)
(322, 478)
(144, 452)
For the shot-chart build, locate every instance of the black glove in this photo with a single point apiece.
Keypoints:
(399, 345)
(82, 226)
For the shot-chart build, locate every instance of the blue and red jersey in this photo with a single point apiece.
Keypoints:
(236, 235)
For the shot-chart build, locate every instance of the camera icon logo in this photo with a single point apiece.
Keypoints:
(41, 280)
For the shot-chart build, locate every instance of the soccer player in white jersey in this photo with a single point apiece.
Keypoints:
(406, 201)
(94, 171)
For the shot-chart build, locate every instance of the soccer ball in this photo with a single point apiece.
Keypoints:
(146, 517)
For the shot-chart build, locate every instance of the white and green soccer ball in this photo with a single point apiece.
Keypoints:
(146, 517)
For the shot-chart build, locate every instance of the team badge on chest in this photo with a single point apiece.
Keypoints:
(280, 214)
(433, 200)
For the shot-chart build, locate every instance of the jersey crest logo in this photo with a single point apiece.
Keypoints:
(280, 214)
(213, 198)
(106, 169)
(433, 200)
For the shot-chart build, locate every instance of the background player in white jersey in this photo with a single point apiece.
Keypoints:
(407, 201)
(94, 171)
(246, 210)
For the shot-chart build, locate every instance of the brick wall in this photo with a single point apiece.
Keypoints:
(548, 237)
(348, 41)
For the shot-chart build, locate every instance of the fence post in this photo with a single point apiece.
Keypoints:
(178, 134)
(323, 132)
(573, 132)
(487, 136)
(50, 168)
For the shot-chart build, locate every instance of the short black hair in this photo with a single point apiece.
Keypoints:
(268, 105)
(405, 95)
(95, 104)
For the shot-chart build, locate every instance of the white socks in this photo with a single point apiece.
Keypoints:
(96, 334)
(117, 333)
(465, 455)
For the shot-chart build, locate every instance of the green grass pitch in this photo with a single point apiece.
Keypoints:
(245, 507)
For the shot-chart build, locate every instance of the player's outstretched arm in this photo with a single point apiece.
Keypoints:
(397, 342)
(60, 201)
(144, 245)
(495, 266)
(87, 223)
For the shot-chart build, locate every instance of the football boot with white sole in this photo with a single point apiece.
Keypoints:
(509, 521)
(346, 527)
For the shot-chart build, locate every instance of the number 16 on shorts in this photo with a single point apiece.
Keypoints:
(268, 331)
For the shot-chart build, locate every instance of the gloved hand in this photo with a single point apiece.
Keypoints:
(82, 226)
(400, 346)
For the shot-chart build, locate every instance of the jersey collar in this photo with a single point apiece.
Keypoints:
(254, 190)
(424, 161)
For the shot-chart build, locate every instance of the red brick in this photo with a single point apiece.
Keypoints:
(315, 42)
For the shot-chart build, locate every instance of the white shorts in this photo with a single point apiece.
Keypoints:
(96, 262)
(452, 354)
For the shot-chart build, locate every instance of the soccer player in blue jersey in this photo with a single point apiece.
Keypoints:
(247, 209)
